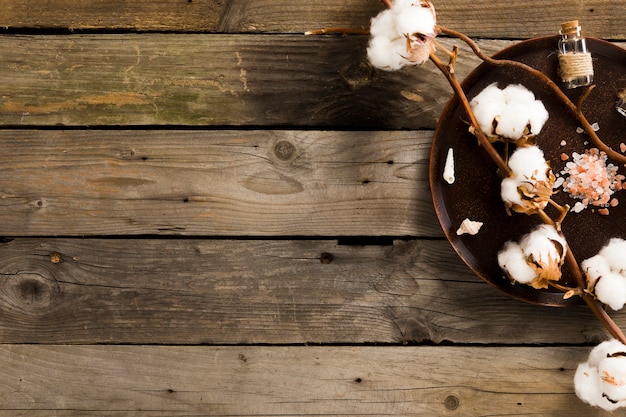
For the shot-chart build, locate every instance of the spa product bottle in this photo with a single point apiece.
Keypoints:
(575, 64)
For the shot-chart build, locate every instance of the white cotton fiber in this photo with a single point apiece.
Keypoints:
(487, 105)
(413, 18)
(599, 379)
(594, 268)
(544, 245)
(382, 53)
(512, 260)
(613, 371)
(587, 385)
(615, 254)
(513, 110)
(528, 162)
(611, 290)
(607, 270)
(513, 121)
(508, 191)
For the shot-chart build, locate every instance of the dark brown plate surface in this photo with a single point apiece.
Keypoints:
(476, 192)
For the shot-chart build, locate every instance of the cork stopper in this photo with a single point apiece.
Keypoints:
(569, 28)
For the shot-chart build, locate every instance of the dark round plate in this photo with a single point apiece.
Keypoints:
(476, 192)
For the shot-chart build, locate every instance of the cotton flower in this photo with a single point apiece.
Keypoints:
(601, 381)
(531, 183)
(537, 259)
(512, 113)
(402, 35)
(606, 274)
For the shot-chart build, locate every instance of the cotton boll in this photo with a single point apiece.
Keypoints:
(537, 117)
(487, 105)
(544, 245)
(601, 378)
(603, 350)
(508, 191)
(517, 93)
(528, 162)
(611, 290)
(613, 374)
(384, 54)
(594, 268)
(513, 121)
(615, 254)
(412, 17)
(587, 385)
(511, 259)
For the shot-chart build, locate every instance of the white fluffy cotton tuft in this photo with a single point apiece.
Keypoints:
(536, 259)
(511, 113)
(402, 35)
(531, 176)
(601, 381)
(606, 273)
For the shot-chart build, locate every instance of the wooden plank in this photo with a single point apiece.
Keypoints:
(196, 291)
(296, 381)
(476, 18)
(226, 183)
(216, 80)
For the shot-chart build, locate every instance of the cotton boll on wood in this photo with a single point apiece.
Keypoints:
(601, 381)
(402, 35)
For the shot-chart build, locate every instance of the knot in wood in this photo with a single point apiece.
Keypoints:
(31, 291)
(284, 150)
(451, 402)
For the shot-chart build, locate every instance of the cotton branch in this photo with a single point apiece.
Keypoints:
(448, 71)
(573, 108)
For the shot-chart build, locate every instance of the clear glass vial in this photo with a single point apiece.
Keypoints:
(575, 64)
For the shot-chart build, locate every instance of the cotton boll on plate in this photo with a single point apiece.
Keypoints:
(511, 113)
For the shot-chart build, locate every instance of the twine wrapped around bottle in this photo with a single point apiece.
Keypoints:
(575, 65)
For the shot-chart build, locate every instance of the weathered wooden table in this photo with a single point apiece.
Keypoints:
(205, 212)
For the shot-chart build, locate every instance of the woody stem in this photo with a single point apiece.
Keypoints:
(573, 108)
(482, 139)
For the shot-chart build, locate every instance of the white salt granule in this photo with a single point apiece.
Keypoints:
(601, 381)
(512, 112)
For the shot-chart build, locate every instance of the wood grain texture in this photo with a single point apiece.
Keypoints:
(296, 381)
(476, 18)
(226, 183)
(214, 80)
(181, 291)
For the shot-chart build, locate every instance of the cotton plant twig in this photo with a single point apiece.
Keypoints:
(448, 71)
(573, 108)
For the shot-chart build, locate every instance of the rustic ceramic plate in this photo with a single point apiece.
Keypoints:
(476, 192)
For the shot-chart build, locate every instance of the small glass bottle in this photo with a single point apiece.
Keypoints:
(575, 64)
